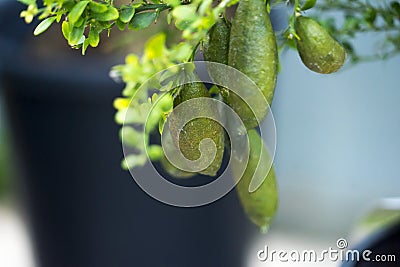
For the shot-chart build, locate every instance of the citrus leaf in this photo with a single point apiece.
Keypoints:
(121, 25)
(66, 30)
(27, 2)
(93, 37)
(308, 4)
(111, 14)
(85, 46)
(44, 25)
(142, 20)
(155, 152)
(132, 137)
(76, 11)
(133, 160)
(75, 35)
(98, 7)
(126, 14)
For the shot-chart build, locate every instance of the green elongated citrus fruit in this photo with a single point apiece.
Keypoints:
(260, 205)
(317, 49)
(253, 51)
(216, 49)
(216, 44)
(200, 128)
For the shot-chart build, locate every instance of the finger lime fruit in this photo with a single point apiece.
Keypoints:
(216, 44)
(216, 48)
(260, 205)
(317, 49)
(174, 171)
(199, 128)
(253, 51)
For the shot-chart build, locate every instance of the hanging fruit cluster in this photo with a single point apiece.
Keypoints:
(247, 43)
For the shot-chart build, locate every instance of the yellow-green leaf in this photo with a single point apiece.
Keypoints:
(93, 37)
(77, 11)
(133, 160)
(44, 25)
(111, 14)
(98, 7)
(66, 29)
(155, 152)
(155, 46)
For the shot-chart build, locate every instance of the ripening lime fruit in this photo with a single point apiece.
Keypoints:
(317, 49)
(253, 51)
(216, 48)
(216, 44)
(260, 205)
(200, 128)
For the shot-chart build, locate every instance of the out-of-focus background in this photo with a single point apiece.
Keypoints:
(64, 201)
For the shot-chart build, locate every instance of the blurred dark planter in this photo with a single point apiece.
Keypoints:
(384, 243)
(83, 209)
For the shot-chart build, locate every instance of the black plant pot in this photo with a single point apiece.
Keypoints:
(385, 243)
(83, 209)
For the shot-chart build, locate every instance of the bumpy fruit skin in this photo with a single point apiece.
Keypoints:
(216, 49)
(198, 129)
(216, 44)
(253, 51)
(317, 49)
(260, 205)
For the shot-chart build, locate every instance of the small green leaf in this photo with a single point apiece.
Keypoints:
(121, 25)
(389, 19)
(214, 90)
(308, 4)
(155, 46)
(396, 7)
(27, 2)
(155, 152)
(173, 3)
(93, 37)
(161, 124)
(126, 13)
(370, 15)
(68, 5)
(77, 11)
(185, 12)
(182, 51)
(79, 22)
(85, 46)
(111, 14)
(75, 35)
(142, 20)
(98, 7)
(184, 15)
(44, 25)
(132, 137)
(204, 7)
(165, 103)
(59, 16)
(66, 30)
(133, 161)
